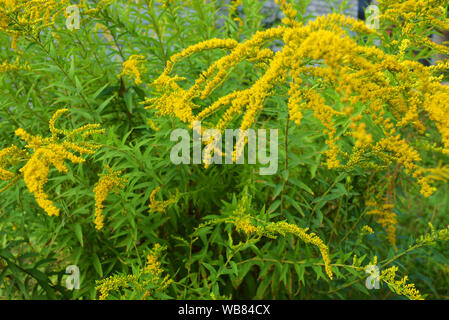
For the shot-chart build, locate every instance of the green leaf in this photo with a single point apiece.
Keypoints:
(79, 233)
(274, 206)
(234, 267)
(97, 264)
(301, 185)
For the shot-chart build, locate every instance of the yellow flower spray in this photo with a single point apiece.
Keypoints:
(28, 17)
(133, 67)
(393, 90)
(107, 183)
(385, 217)
(400, 287)
(60, 146)
(242, 221)
(161, 206)
(151, 276)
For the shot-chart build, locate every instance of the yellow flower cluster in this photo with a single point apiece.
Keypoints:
(432, 236)
(271, 230)
(114, 283)
(361, 136)
(10, 156)
(284, 228)
(7, 157)
(385, 217)
(176, 101)
(28, 17)
(289, 12)
(6, 66)
(233, 11)
(108, 182)
(153, 267)
(53, 150)
(161, 206)
(366, 230)
(440, 173)
(401, 286)
(152, 125)
(139, 281)
(376, 91)
(243, 224)
(242, 219)
(413, 17)
(134, 67)
(99, 6)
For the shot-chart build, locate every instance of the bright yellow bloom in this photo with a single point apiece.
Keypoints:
(133, 67)
(243, 224)
(362, 137)
(6, 66)
(289, 12)
(9, 156)
(28, 17)
(107, 183)
(53, 150)
(153, 266)
(401, 286)
(414, 17)
(114, 283)
(284, 228)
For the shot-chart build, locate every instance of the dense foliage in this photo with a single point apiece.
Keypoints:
(86, 178)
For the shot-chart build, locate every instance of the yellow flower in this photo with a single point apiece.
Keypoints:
(53, 150)
(413, 17)
(108, 182)
(284, 228)
(114, 283)
(161, 206)
(154, 267)
(8, 156)
(385, 217)
(133, 67)
(6, 66)
(289, 12)
(28, 17)
(153, 125)
(400, 287)
(405, 44)
(363, 139)
(243, 223)
(367, 230)
(147, 281)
